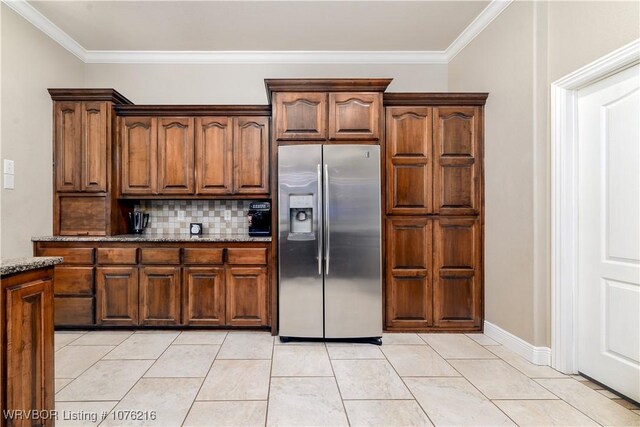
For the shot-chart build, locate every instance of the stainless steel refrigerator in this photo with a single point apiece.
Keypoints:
(329, 242)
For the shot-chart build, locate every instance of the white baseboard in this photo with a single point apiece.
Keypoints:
(535, 355)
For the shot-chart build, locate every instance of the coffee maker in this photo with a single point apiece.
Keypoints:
(259, 216)
(138, 220)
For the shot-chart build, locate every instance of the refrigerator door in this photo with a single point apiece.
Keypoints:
(352, 282)
(300, 241)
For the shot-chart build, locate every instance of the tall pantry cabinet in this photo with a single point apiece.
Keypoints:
(434, 211)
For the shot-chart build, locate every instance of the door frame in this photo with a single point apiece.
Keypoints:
(564, 199)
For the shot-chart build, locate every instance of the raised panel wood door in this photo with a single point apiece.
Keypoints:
(246, 296)
(203, 296)
(175, 155)
(117, 296)
(29, 357)
(457, 282)
(96, 117)
(251, 155)
(214, 155)
(139, 155)
(458, 160)
(408, 289)
(159, 296)
(354, 116)
(68, 146)
(300, 116)
(409, 160)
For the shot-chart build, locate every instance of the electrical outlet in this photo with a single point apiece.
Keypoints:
(9, 182)
(181, 216)
(9, 167)
(227, 215)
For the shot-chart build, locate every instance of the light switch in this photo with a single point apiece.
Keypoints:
(227, 215)
(8, 181)
(9, 167)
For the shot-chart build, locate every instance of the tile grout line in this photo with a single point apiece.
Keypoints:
(273, 350)
(335, 380)
(574, 407)
(141, 377)
(405, 384)
(195, 399)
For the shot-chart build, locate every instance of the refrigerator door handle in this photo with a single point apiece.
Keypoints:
(319, 228)
(326, 219)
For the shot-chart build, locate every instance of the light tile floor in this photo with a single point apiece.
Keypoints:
(211, 378)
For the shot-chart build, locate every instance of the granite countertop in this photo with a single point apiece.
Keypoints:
(154, 238)
(17, 265)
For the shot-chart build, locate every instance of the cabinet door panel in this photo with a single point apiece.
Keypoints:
(175, 155)
(139, 159)
(457, 272)
(73, 281)
(246, 290)
(301, 115)
(203, 300)
(409, 160)
(117, 296)
(96, 119)
(214, 155)
(68, 146)
(354, 115)
(251, 155)
(160, 296)
(408, 291)
(29, 352)
(458, 171)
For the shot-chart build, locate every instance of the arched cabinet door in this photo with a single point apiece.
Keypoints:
(354, 116)
(139, 155)
(175, 155)
(458, 160)
(214, 155)
(300, 116)
(251, 155)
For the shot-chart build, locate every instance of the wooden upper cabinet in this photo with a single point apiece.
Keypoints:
(457, 293)
(251, 155)
(458, 160)
(68, 146)
(214, 155)
(409, 160)
(117, 296)
(409, 259)
(96, 119)
(300, 116)
(139, 156)
(175, 155)
(354, 115)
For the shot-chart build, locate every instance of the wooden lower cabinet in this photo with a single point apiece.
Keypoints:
(203, 296)
(160, 296)
(27, 345)
(247, 296)
(117, 296)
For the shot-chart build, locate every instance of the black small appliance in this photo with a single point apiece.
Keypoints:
(259, 219)
(138, 221)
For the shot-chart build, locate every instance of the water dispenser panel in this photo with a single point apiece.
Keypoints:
(301, 216)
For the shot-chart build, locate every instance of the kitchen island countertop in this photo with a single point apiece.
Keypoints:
(154, 238)
(18, 265)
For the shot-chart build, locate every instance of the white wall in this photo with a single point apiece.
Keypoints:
(514, 59)
(31, 63)
(243, 83)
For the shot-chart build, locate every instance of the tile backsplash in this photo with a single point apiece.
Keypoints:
(164, 216)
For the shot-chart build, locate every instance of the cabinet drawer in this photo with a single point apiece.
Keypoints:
(70, 255)
(203, 256)
(247, 256)
(116, 255)
(160, 256)
(77, 311)
(73, 281)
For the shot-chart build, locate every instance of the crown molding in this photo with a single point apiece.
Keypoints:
(488, 14)
(31, 14)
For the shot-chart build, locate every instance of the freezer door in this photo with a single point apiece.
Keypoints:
(352, 282)
(300, 241)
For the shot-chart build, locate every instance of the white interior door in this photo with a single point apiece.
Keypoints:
(609, 232)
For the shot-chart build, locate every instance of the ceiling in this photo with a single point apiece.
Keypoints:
(262, 25)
